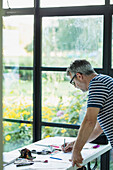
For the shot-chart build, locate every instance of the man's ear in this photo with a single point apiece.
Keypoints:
(79, 76)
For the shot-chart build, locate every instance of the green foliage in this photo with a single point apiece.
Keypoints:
(17, 134)
(64, 114)
(83, 33)
(67, 34)
(29, 47)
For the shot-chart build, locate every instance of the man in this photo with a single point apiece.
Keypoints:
(99, 114)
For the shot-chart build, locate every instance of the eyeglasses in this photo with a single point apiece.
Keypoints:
(72, 82)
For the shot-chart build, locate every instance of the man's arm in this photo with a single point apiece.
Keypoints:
(96, 132)
(85, 131)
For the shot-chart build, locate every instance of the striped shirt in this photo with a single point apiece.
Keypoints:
(101, 96)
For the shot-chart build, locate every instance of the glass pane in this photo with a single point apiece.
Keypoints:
(59, 3)
(18, 40)
(17, 94)
(16, 135)
(111, 1)
(18, 3)
(68, 38)
(61, 102)
(48, 131)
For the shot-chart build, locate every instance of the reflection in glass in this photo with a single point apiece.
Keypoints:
(61, 102)
(67, 38)
(17, 94)
(16, 135)
(48, 131)
(18, 40)
(18, 3)
(61, 3)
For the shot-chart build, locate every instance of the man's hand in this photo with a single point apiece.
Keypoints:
(76, 158)
(68, 146)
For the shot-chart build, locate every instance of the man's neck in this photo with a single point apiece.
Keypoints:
(90, 77)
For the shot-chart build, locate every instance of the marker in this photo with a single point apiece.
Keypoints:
(24, 164)
(55, 158)
(54, 146)
(96, 146)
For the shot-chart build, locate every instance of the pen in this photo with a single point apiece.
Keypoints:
(42, 145)
(55, 158)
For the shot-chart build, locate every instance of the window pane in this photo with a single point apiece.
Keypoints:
(18, 3)
(111, 1)
(16, 135)
(17, 94)
(48, 131)
(67, 38)
(18, 40)
(61, 102)
(59, 3)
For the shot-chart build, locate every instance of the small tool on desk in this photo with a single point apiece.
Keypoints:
(43, 152)
(45, 161)
(54, 146)
(96, 146)
(24, 164)
(26, 153)
(55, 158)
(26, 161)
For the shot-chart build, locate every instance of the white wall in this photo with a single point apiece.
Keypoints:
(1, 145)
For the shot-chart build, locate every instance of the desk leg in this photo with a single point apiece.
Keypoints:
(105, 161)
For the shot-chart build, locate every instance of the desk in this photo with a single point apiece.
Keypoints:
(64, 164)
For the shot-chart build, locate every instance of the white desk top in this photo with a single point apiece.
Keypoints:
(53, 164)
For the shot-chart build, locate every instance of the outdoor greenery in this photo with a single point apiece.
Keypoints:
(21, 107)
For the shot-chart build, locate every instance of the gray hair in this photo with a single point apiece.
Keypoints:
(80, 66)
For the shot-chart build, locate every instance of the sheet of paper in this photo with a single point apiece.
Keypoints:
(10, 156)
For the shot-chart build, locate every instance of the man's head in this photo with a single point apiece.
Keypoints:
(81, 72)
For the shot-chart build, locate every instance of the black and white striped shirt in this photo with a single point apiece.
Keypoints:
(101, 96)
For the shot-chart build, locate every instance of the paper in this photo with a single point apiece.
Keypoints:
(10, 156)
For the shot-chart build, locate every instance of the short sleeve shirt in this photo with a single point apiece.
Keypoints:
(101, 96)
